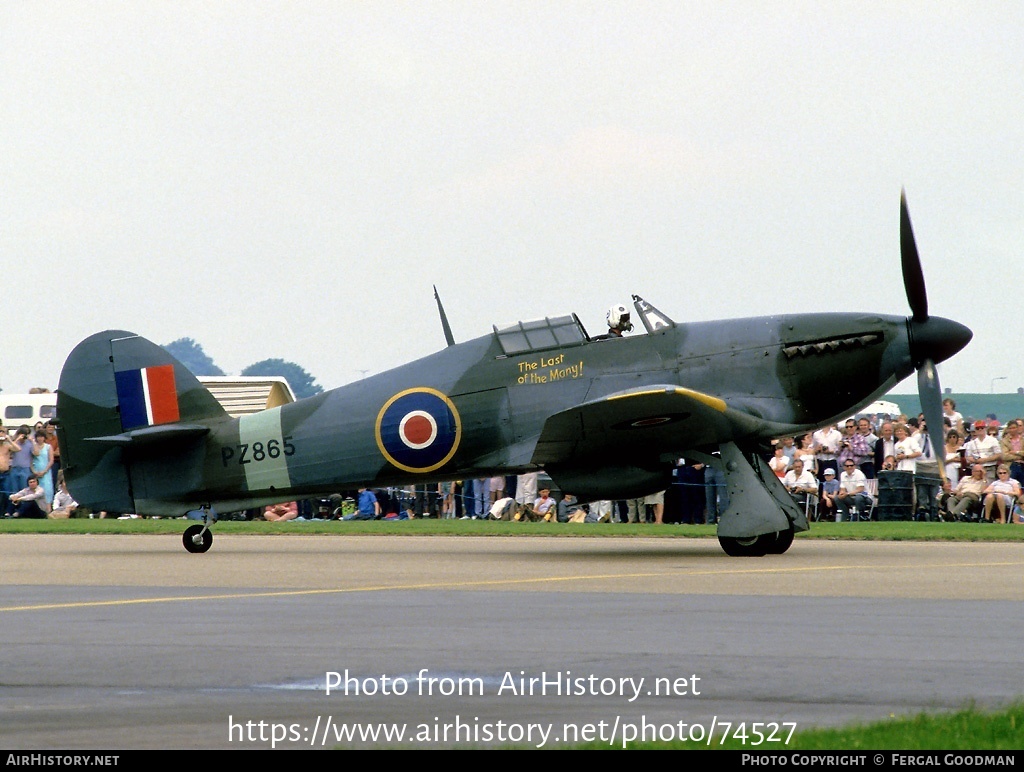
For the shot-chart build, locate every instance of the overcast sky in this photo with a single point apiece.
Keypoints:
(289, 179)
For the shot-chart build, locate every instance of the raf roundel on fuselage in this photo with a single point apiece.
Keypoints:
(418, 430)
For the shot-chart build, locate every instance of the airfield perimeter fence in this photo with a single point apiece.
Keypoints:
(681, 502)
(687, 501)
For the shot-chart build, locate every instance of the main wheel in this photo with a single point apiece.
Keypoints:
(779, 542)
(192, 544)
(753, 547)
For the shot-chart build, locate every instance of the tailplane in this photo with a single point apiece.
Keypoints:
(122, 397)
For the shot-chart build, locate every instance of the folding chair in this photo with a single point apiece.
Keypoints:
(870, 488)
(811, 507)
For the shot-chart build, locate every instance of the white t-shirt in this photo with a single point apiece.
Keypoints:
(907, 446)
(853, 482)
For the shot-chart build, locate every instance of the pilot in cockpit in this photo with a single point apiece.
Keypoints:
(618, 322)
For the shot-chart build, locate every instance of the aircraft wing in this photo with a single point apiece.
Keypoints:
(620, 426)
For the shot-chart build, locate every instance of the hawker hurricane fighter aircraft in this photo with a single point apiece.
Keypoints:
(606, 417)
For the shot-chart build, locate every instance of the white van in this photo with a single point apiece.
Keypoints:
(18, 409)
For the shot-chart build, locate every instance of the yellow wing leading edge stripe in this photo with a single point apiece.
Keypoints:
(706, 399)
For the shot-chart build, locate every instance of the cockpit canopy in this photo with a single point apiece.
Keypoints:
(541, 334)
(561, 331)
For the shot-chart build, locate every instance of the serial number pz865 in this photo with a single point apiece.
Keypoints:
(255, 452)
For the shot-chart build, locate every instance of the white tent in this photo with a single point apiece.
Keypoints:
(880, 407)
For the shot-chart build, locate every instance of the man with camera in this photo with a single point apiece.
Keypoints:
(21, 459)
(6, 448)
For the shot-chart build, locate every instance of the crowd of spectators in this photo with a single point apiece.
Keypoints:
(982, 462)
(31, 481)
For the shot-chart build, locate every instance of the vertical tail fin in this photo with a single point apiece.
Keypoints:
(118, 390)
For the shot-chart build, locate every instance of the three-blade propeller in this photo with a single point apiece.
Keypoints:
(927, 376)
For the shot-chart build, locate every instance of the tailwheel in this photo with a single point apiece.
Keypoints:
(197, 538)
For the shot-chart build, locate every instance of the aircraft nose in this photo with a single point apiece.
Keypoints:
(936, 338)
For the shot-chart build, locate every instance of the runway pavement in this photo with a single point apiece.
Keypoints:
(120, 642)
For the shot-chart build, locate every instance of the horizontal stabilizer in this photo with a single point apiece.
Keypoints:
(151, 435)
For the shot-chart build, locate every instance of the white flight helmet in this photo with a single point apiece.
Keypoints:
(618, 318)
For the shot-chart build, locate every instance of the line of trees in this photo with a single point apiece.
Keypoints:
(191, 354)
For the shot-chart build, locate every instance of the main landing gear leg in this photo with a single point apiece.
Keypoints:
(762, 517)
(199, 538)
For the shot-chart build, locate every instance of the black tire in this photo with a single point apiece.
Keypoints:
(754, 547)
(779, 542)
(188, 539)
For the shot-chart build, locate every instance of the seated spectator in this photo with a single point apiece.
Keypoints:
(30, 501)
(852, 492)
(1001, 494)
(567, 507)
(288, 510)
(503, 509)
(942, 498)
(63, 505)
(367, 507)
(829, 491)
(968, 492)
(588, 514)
(543, 508)
(603, 509)
(799, 482)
